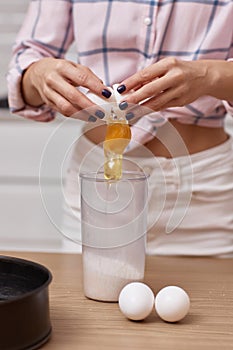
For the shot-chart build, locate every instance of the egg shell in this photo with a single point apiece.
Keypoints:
(136, 301)
(105, 104)
(118, 98)
(172, 303)
(110, 104)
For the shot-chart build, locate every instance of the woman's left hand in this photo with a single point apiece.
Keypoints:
(167, 83)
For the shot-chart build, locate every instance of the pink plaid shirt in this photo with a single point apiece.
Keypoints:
(116, 38)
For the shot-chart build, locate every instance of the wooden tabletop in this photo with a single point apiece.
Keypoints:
(80, 323)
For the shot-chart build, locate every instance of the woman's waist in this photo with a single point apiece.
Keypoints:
(173, 139)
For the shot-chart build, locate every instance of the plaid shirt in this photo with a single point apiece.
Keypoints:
(116, 38)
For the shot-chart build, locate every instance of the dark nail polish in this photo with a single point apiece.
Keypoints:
(92, 119)
(121, 89)
(123, 105)
(106, 93)
(99, 114)
(129, 116)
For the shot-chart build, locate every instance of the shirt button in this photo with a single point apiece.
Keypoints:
(147, 21)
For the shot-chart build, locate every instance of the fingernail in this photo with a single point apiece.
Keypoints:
(121, 88)
(123, 105)
(92, 119)
(99, 114)
(129, 116)
(106, 93)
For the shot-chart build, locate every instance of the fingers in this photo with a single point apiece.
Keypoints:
(144, 76)
(150, 90)
(58, 103)
(173, 97)
(72, 94)
(58, 99)
(153, 80)
(135, 112)
(166, 99)
(167, 83)
(79, 75)
(58, 88)
(150, 97)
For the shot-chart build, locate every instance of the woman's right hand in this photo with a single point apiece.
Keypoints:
(54, 82)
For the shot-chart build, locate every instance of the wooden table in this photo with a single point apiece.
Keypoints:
(79, 323)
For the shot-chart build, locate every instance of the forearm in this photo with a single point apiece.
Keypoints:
(220, 79)
(30, 93)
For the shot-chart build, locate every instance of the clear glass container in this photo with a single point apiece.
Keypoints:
(113, 226)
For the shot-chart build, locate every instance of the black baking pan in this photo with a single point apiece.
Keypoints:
(24, 304)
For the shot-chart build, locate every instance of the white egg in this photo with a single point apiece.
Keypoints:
(109, 105)
(118, 97)
(172, 303)
(136, 301)
(105, 104)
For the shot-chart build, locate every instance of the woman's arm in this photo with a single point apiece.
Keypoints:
(40, 80)
(174, 83)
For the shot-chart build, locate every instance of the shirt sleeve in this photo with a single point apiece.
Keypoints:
(47, 31)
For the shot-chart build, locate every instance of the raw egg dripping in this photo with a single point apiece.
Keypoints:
(117, 138)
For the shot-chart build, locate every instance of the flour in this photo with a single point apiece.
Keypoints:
(107, 272)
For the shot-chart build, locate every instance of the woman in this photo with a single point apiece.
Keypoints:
(170, 57)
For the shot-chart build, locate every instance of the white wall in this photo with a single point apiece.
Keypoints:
(30, 184)
(12, 13)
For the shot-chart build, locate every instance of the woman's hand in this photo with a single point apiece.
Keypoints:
(54, 82)
(166, 83)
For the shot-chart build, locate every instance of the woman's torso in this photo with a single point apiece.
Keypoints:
(131, 35)
(195, 138)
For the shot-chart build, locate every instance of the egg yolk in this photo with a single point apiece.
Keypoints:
(117, 138)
